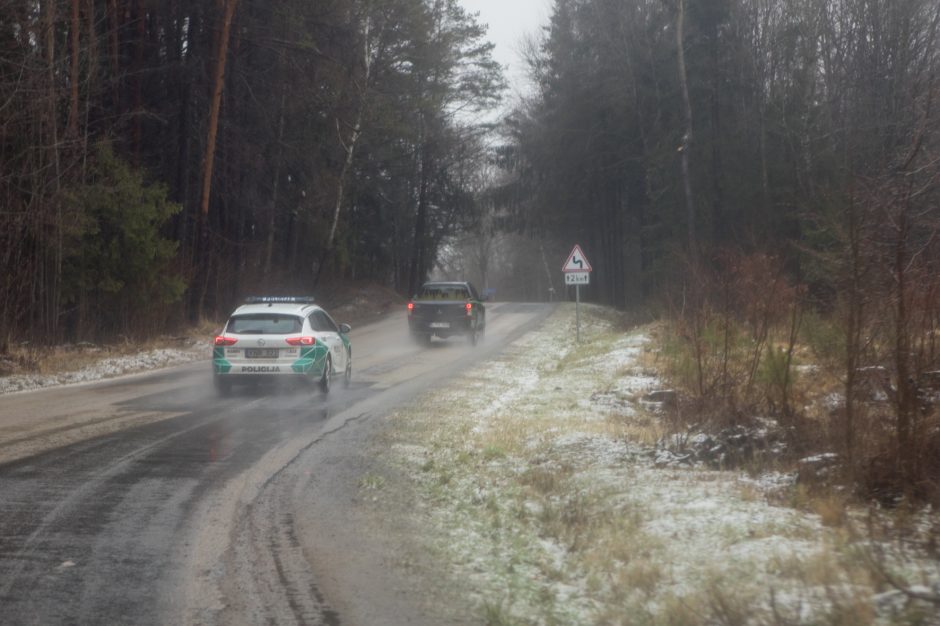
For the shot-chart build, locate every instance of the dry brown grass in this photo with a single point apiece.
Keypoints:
(546, 480)
(641, 574)
(640, 427)
(532, 490)
(25, 359)
(831, 508)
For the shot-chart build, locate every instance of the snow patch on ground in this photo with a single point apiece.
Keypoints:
(552, 511)
(106, 368)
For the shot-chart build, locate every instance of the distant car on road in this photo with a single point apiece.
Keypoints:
(281, 338)
(443, 309)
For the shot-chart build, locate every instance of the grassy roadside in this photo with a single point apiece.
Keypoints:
(540, 491)
(26, 367)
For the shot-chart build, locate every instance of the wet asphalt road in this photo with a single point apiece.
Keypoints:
(148, 500)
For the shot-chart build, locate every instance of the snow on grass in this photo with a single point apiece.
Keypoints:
(106, 368)
(538, 480)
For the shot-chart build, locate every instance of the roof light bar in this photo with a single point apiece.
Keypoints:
(279, 300)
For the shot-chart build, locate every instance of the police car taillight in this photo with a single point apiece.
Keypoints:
(225, 341)
(301, 341)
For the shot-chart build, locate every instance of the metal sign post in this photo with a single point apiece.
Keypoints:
(577, 271)
(577, 312)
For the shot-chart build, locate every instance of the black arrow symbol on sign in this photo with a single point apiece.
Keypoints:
(578, 262)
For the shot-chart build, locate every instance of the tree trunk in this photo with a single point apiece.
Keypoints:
(686, 147)
(184, 56)
(272, 213)
(350, 149)
(114, 38)
(71, 131)
(854, 326)
(218, 82)
(417, 271)
(141, 14)
(906, 454)
(52, 109)
(92, 77)
(52, 320)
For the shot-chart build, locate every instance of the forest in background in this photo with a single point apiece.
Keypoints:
(766, 175)
(161, 159)
(662, 131)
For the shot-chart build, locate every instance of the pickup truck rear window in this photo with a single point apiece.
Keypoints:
(264, 324)
(443, 292)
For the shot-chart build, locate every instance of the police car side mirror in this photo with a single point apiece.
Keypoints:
(344, 329)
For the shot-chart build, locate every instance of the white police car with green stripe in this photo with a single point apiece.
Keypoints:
(274, 337)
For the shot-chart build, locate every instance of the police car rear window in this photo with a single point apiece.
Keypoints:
(264, 324)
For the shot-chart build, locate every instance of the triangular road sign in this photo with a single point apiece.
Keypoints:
(576, 262)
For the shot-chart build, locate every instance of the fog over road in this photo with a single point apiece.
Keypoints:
(149, 500)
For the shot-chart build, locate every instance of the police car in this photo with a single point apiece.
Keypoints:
(281, 338)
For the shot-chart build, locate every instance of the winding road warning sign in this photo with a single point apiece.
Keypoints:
(576, 262)
(577, 271)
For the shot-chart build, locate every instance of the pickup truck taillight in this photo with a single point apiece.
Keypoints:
(469, 308)
(411, 308)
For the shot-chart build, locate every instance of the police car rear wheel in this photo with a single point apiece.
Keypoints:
(223, 387)
(347, 377)
(327, 376)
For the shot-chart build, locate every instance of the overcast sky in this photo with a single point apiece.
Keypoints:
(509, 21)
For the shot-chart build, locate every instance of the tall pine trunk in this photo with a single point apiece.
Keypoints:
(71, 131)
(686, 147)
(218, 82)
(52, 137)
(114, 40)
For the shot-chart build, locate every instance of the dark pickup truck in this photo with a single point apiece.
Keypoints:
(442, 309)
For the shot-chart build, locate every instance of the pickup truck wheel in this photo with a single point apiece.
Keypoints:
(473, 337)
(326, 379)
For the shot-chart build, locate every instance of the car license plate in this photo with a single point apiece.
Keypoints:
(440, 324)
(261, 353)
